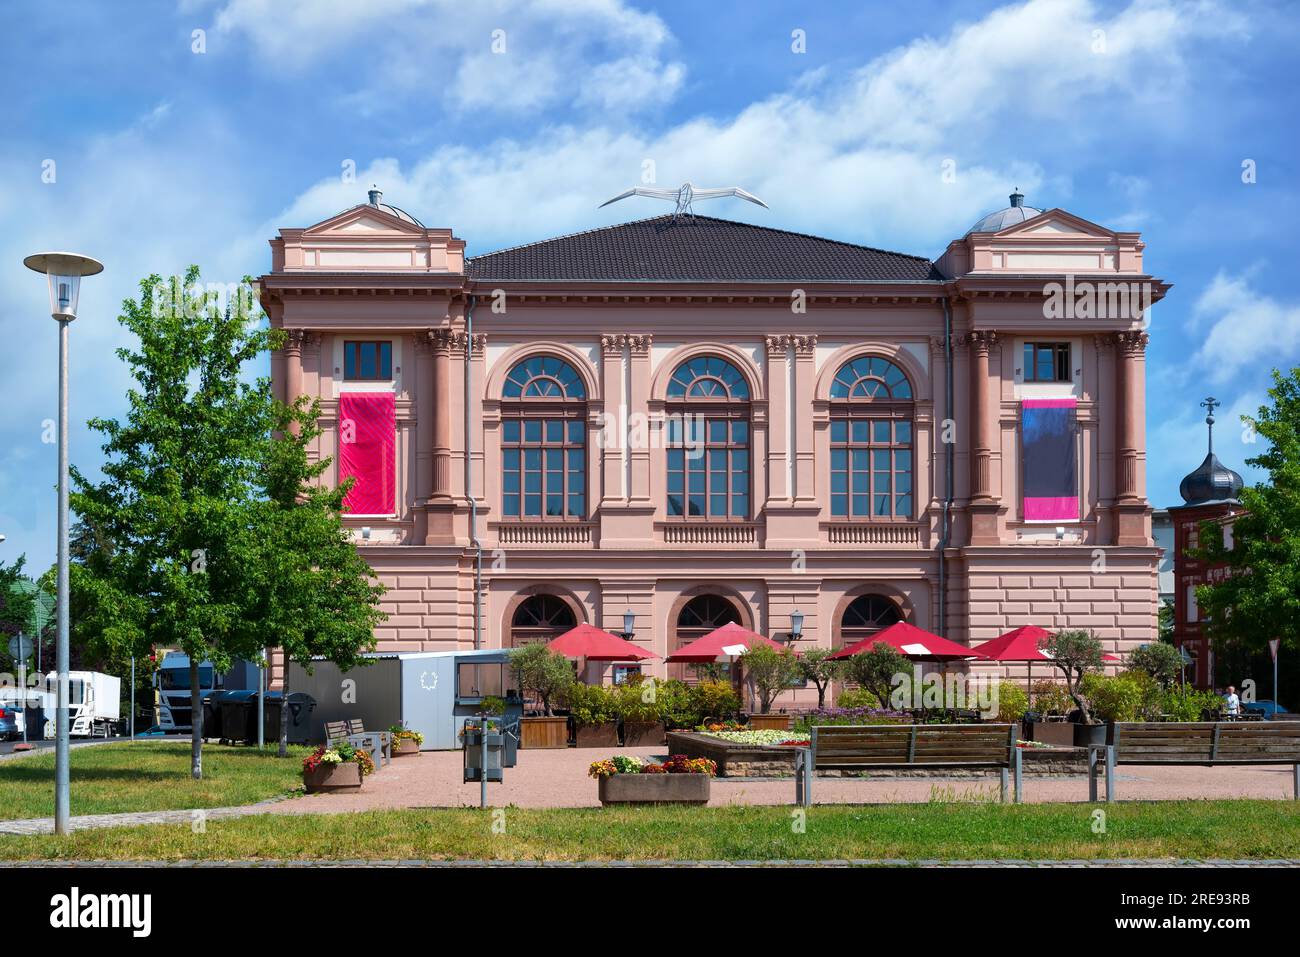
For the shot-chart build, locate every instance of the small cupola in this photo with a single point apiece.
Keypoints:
(1014, 214)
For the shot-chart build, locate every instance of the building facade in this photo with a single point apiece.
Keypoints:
(703, 421)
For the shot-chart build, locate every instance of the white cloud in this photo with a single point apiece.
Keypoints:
(1244, 326)
(491, 54)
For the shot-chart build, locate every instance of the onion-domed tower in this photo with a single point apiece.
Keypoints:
(1209, 493)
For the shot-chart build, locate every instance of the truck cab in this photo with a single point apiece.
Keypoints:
(172, 681)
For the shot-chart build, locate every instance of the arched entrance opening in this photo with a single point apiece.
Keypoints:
(540, 618)
(699, 616)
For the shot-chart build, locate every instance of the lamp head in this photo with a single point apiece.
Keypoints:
(629, 622)
(796, 625)
(63, 271)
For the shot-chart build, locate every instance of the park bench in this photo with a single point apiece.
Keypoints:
(378, 744)
(884, 747)
(1203, 743)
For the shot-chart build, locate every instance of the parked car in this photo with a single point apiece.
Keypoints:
(1269, 709)
(9, 726)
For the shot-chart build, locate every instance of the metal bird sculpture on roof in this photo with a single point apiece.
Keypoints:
(686, 194)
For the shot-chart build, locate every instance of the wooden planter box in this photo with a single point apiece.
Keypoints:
(333, 777)
(543, 732)
(405, 747)
(604, 735)
(1059, 733)
(655, 789)
(642, 734)
(771, 722)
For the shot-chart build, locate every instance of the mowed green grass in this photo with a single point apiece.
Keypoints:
(964, 831)
(147, 776)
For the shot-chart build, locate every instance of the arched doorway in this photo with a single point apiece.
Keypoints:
(699, 616)
(865, 615)
(540, 618)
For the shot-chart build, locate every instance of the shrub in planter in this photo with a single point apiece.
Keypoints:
(852, 698)
(1013, 702)
(1050, 697)
(675, 706)
(1187, 704)
(542, 672)
(1113, 698)
(336, 768)
(592, 708)
(405, 741)
(714, 699)
(628, 780)
(636, 703)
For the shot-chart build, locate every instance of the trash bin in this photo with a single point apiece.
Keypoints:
(238, 718)
(472, 736)
(212, 715)
(300, 708)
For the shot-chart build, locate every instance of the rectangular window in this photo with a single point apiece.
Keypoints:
(1047, 362)
(544, 468)
(708, 467)
(368, 361)
(871, 468)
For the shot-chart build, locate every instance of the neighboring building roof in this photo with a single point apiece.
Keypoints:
(1212, 482)
(1013, 215)
(697, 249)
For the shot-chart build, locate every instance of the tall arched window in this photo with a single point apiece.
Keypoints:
(699, 616)
(872, 462)
(544, 442)
(707, 429)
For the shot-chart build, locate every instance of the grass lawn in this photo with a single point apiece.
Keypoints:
(1190, 829)
(147, 776)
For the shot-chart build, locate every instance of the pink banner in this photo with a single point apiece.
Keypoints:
(1063, 509)
(367, 439)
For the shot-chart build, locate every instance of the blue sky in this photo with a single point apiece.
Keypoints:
(1136, 115)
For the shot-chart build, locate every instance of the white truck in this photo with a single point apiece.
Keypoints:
(94, 703)
(173, 683)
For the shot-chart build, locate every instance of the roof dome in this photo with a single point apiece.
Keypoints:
(376, 196)
(1212, 481)
(1014, 214)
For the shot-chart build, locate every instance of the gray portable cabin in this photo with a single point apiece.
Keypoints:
(432, 692)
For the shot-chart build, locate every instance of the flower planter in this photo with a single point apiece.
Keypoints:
(770, 722)
(1059, 733)
(603, 735)
(328, 778)
(405, 747)
(642, 734)
(655, 789)
(1086, 734)
(543, 732)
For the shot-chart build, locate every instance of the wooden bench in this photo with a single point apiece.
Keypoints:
(886, 747)
(1197, 743)
(379, 744)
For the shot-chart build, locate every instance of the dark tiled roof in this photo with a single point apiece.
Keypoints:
(697, 249)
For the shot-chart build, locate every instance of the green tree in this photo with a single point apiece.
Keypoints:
(817, 665)
(877, 668)
(211, 551)
(1159, 660)
(1260, 599)
(770, 672)
(1075, 653)
(542, 672)
(17, 600)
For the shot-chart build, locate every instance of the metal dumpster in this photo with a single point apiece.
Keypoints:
(300, 707)
(238, 717)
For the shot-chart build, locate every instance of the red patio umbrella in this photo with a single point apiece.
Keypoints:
(1021, 644)
(588, 641)
(722, 644)
(915, 643)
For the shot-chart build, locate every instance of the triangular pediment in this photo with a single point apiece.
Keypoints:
(1057, 223)
(364, 220)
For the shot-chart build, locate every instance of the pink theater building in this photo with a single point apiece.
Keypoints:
(704, 421)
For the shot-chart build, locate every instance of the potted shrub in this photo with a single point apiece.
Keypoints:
(769, 672)
(713, 701)
(338, 768)
(636, 702)
(592, 710)
(547, 676)
(624, 779)
(675, 706)
(1078, 653)
(405, 741)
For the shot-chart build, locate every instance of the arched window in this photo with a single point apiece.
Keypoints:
(707, 429)
(544, 442)
(872, 462)
(540, 618)
(866, 615)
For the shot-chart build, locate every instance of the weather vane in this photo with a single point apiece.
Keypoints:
(684, 195)
(1210, 404)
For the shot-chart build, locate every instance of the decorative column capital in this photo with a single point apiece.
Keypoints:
(612, 344)
(1132, 343)
(779, 344)
(982, 340)
(296, 339)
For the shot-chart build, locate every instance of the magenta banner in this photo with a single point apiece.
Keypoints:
(1050, 460)
(367, 439)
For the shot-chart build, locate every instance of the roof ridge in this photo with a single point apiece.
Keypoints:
(714, 219)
